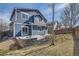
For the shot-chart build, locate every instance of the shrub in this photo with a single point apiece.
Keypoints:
(51, 38)
(14, 46)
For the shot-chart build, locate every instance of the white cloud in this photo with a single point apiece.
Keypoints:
(5, 17)
(47, 11)
(61, 6)
(57, 9)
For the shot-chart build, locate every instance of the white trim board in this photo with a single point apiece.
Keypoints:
(22, 31)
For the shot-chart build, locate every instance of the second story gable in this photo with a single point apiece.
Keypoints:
(28, 16)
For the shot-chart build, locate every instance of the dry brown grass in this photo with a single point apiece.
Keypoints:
(5, 44)
(64, 49)
(63, 46)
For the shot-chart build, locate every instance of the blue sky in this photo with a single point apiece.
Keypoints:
(7, 8)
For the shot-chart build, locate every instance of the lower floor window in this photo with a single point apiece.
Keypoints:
(24, 29)
(35, 27)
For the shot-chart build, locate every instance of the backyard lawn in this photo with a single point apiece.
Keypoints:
(63, 47)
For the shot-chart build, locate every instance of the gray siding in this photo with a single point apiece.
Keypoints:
(11, 30)
(17, 29)
(33, 13)
(38, 32)
(39, 21)
(19, 18)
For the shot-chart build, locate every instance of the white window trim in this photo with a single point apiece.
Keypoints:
(18, 23)
(15, 15)
(22, 31)
(15, 19)
(14, 30)
(21, 15)
(25, 14)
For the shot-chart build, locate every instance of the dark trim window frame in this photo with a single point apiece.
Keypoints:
(44, 27)
(34, 27)
(24, 16)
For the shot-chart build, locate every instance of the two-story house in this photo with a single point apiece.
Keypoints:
(27, 22)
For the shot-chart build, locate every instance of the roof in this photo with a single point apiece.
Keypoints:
(26, 10)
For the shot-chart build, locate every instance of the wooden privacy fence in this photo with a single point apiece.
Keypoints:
(64, 31)
(74, 31)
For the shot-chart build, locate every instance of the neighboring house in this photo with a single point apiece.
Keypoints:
(25, 22)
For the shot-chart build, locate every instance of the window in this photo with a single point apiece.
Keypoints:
(39, 28)
(35, 27)
(44, 28)
(24, 29)
(24, 16)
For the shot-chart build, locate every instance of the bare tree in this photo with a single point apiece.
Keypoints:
(3, 27)
(70, 15)
(1, 22)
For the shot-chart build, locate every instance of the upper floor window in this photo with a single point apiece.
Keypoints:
(24, 16)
